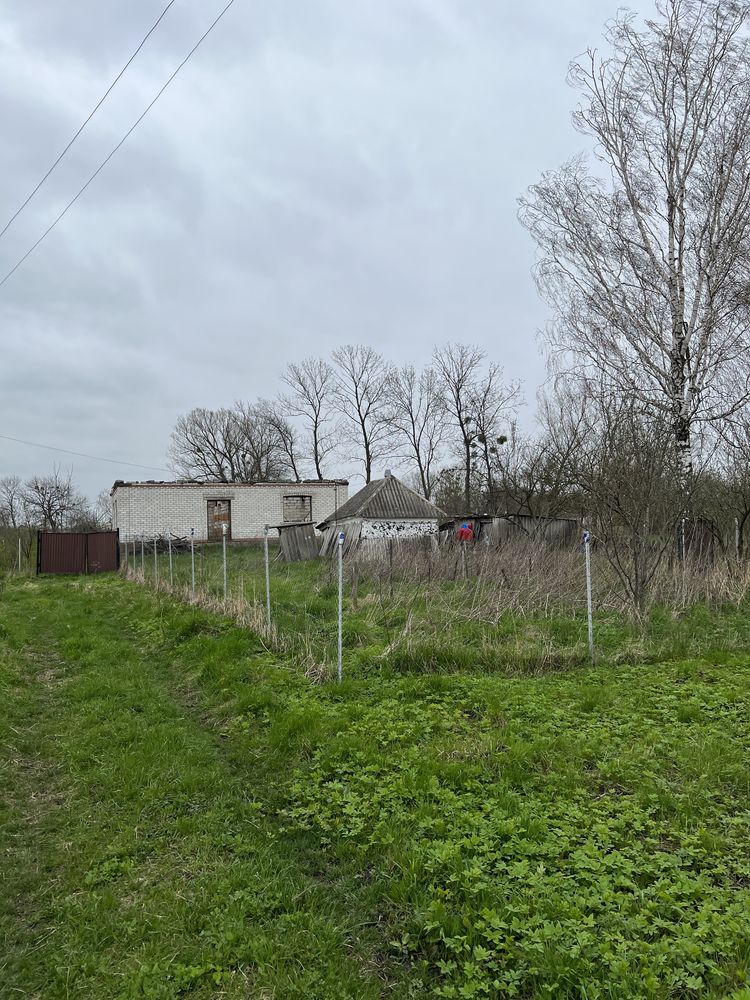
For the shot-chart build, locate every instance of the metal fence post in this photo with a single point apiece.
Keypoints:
(171, 577)
(341, 607)
(224, 546)
(19, 553)
(589, 601)
(268, 576)
(192, 562)
(143, 558)
(156, 567)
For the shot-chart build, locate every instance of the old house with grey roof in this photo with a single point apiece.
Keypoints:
(385, 509)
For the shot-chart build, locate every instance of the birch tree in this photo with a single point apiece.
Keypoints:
(645, 254)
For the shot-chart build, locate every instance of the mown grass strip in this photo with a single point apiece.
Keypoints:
(142, 861)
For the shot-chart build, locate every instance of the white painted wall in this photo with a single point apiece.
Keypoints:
(157, 509)
(398, 529)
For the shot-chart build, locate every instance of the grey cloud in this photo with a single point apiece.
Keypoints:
(319, 173)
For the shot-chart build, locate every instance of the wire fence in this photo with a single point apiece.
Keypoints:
(420, 606)
(18, 550)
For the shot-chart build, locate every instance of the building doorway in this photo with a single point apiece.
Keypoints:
(219, 514)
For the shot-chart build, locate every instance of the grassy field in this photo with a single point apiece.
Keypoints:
(185, 815)
(394, 624)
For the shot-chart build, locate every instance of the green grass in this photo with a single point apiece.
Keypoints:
(408, 627)
(143, 854)
(186, 816)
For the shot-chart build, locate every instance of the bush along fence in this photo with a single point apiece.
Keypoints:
(18, 550)
(405, 607)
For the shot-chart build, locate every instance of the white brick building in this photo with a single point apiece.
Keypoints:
(153, 508)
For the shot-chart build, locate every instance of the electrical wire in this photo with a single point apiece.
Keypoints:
(80, 454)
(101, 101)
(103, 164)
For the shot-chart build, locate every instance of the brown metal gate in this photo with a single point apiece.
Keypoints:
(77, 551)
(103, 551)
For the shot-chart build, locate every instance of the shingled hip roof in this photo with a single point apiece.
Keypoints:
(385, 499)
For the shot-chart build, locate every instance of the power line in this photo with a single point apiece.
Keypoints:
(101, 101)
(80, 454)
(103, 164)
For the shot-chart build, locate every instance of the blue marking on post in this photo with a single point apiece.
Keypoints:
(586, 537)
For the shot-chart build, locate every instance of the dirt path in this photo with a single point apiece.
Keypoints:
(142, 849)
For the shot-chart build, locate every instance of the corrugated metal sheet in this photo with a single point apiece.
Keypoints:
(386, 499)
(61, 552)
(103, 552)
(77, 551)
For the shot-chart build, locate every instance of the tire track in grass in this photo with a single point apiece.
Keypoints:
(169, 877)
(30, 799)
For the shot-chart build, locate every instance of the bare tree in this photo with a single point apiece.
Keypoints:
(248, 443)
(312, 384)
(493, 404)
(730, 488)
(263, 448)
(474, 402)
(102, 509)
(458, 367)
(50, 501)
(362, 379)
(647, 262)
(532, 477)
(207, 445)
(629, 474)
(416, 415)
(11, 501)
(286, 445)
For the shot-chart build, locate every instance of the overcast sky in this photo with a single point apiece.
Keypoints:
(320, 172)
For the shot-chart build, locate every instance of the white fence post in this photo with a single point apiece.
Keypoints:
(341, 607)
(156, 567)
(171, 577)
(224, 545)
(19, 553)
(268, 576)
(143, 557)
(192, 562)
(589, 600)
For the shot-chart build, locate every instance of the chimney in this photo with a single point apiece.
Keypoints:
(388, 473)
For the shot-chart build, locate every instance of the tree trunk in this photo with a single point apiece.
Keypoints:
(316, 453)
(681, 416)
(467, 476)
